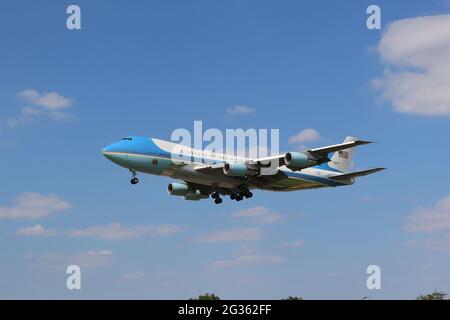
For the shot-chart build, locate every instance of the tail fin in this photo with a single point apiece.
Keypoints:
(342, 160)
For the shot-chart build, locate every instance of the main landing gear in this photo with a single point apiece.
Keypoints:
(217, 198)
(234, 196)
(134, 180)
(241, 195)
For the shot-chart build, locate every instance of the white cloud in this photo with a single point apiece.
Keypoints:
(116, 231)
(258, 215)
(136, 275)
(33, 205)
(417, 78)
(294, 244)
(49, 101)
(430, 219)
(36, 230)
(240, 110)
(246, 259)
(50, 104)
(89, 259)
(234, 234)
(306, 135)
(30, 112)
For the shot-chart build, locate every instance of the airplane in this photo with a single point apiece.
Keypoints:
(206, 173)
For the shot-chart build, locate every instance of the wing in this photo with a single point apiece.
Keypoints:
(315, 156)
(318, 154)
(337, 147)
(210, 169)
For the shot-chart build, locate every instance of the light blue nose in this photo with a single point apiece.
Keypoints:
(115, 153)
(109, 151)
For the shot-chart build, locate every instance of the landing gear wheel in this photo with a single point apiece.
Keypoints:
(134, 180)
(233, 197)
(215, 195)
(248, 194)
(218, 200)
(239, 197)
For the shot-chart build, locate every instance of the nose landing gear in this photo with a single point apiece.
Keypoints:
(134, 180)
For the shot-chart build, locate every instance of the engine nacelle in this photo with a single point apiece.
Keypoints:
(177, 189)
(297, 160)
(235, 169)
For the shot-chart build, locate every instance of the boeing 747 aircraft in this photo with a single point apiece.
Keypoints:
(206, 173)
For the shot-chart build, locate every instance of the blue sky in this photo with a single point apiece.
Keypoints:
(148, 68)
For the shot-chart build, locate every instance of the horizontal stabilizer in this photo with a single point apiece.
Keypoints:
(356, 174)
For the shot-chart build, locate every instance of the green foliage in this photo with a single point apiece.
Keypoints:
(206, 296)
(435, 295)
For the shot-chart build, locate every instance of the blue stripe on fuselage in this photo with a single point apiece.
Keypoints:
(326, 166)
(308, 177)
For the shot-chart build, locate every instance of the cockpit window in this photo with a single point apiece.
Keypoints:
(127, 139)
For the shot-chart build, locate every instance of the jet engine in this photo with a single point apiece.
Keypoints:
(182, 190)
(298, 161)
(177, 189)
(235, 169)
